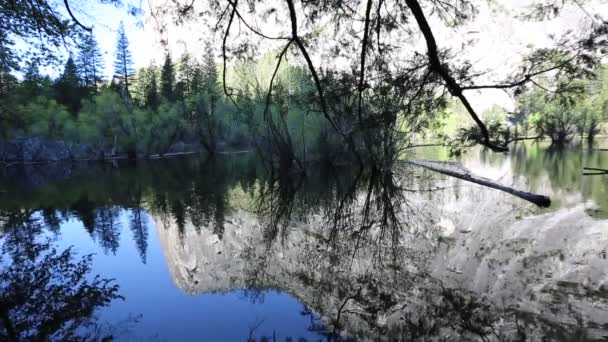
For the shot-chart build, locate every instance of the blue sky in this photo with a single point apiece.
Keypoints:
(105, 20)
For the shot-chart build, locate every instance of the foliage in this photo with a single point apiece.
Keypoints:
(90, 62)
(561, 115)
(167, 79)
(69, 88)
(45, 118)
(157, 131)
(546, 111)
(147, 87)
(105, 121)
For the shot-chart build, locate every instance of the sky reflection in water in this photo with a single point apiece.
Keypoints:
(177, 238)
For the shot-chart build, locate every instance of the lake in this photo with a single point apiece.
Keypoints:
(227, 249)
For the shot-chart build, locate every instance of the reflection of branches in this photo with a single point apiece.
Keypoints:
(276, 201)
(253, 327)
(46, 294)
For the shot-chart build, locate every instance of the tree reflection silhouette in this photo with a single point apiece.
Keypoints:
(354, 244)
(46, 294)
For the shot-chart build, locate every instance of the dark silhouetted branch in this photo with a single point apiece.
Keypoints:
(67, 6)
(452, 85)
(224, 57)
(539, 137)
(251, 28)
(274, 75)
(361, 86)
(527, 78)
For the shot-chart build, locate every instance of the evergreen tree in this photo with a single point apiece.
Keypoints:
(210, 77)
(90, 62)
(208, 125)
(32, 82)
(68, 90)
(197, 79)
(148, 86)
(123, 63)
(8, 63)
(187, 69)
(167, 79)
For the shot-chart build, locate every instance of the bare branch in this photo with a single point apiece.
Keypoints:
(274, 74)
(229, 94)
(436, 65)
(67, 6)
(252, 29)
(527, 78)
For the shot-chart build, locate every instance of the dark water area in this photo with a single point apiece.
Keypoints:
(226, 249)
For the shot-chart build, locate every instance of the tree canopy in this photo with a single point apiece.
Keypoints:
(380, 42)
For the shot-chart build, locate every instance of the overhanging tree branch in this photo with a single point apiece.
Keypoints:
(252, 29)
(527, 78)
(310, 65)
(224, 56)
(67, 6)
(294, 33)
(274, 75)
(361, 85)
(452, 85)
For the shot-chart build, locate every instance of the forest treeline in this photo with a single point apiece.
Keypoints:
(151, 110)
(183, 104)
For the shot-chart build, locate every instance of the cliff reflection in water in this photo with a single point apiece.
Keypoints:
(389, 253)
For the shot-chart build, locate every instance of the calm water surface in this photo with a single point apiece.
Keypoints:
(226, 250)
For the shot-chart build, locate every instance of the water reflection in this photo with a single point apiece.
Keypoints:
(45, 293)
(388, 252)
(560, 171)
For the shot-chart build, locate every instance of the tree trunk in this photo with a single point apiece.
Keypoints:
(592, 131)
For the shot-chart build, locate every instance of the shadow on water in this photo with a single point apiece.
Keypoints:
(367, 251)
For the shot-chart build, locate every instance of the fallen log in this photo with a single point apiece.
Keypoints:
(539, 200)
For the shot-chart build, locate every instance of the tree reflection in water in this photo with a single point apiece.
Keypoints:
(46, 294)
(357, 246)
(368, 266)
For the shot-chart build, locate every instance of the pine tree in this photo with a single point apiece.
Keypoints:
(187, 69)
(32, 81)
(208, 123)
(210, 77)
(8, 63)
(123, 63)
(90, 62)
(167, 79)
(149, 87)
(197, 79)
(68, 88)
